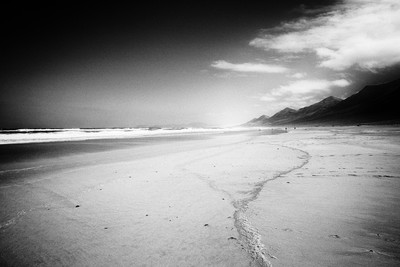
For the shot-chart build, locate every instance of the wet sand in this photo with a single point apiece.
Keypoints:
(342, 208)
(310, 197)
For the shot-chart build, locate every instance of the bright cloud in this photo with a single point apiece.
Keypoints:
(363, 33)
(268, 98)
(302, 88)
(299, 93)
(298, 75)
(249, 67)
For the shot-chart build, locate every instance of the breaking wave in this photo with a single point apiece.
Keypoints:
(18, 136)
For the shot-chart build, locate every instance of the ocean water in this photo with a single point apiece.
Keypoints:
(19, 136)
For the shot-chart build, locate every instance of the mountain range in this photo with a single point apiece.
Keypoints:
(374, 104)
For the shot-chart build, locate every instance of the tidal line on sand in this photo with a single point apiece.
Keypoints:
(249, 235)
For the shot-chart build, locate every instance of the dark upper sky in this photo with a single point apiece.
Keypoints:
(107, 66)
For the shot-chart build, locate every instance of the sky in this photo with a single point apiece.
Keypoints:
(71, 66)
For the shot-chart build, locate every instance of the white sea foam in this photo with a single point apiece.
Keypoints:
(19, 136)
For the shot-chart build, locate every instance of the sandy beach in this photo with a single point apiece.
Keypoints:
(310, 197)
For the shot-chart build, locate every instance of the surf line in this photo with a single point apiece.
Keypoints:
(249, 234)
(22, 169)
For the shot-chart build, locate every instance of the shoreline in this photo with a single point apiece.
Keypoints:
(203, 201)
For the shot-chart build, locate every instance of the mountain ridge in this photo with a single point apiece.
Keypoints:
(372, 104)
